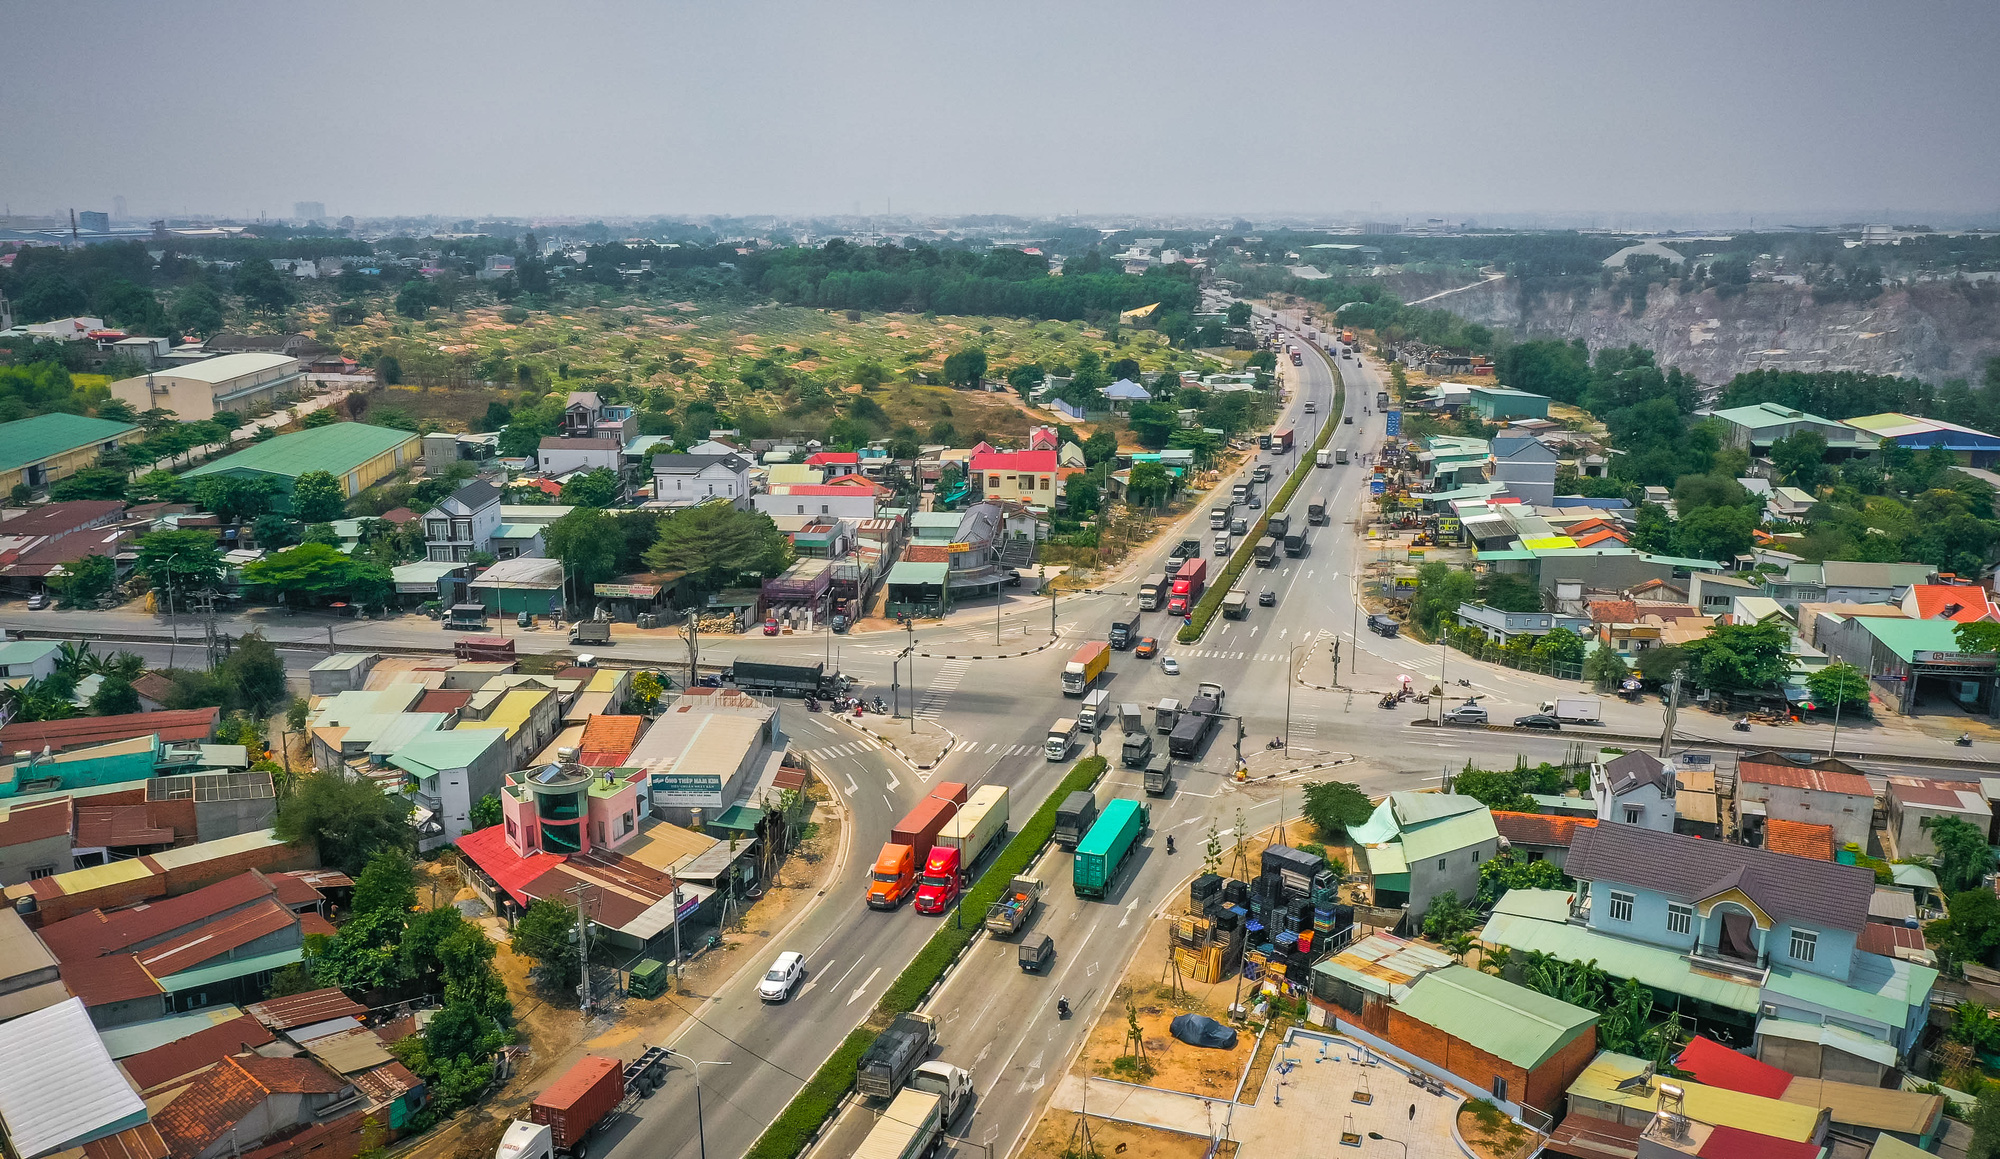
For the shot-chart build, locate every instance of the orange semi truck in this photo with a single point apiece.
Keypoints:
(909, 845)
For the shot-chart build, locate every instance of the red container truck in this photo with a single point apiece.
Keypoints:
(1281, 441)
(577, 1101)
(1187, 587)
(909, 845)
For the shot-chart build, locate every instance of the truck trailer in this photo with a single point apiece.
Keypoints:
(781, 679)
(909, 846)
(1109, 844)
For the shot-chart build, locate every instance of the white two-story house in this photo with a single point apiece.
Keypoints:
(463, 523)
(1635, 789)
(684, 480)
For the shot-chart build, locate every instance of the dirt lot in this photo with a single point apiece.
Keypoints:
(1051, 1140)
(1492, 1135)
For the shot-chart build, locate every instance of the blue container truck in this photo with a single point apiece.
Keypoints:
(1104, 850)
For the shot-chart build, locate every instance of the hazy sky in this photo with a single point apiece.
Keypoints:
(1455, 106)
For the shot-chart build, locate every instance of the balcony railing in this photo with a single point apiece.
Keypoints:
(1712, 959)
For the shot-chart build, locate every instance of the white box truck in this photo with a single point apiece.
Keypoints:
(917, 1118)
(977, 826)
(1575, 709)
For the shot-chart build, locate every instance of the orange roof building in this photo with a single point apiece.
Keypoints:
(1799, 839)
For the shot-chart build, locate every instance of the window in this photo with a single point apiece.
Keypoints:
(1804, 944)
(1680, 919)
(1621, 906)
(1634, 814)
(437, 528)
(510, 827)
(1045, 482)
(1500, 1087)
(1440, 864)
(41, 871)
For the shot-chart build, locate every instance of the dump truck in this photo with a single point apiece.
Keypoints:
(912, 1126)
(1085, 665)
(1316, 512)
(1109, 844)
(1187, 587)
(1196, 722)
(894, 1054)
(596, 632)
(1153, 592)
(1006, 916)
(1159, 775)
(562, 1117)
(1125, 630)
(1236, 605)
(909, 846)
(780, 679)
(1166, 714)
(1266, 552)
(1218, 518)
(1074, 817)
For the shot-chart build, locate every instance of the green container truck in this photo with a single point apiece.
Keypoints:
(1104, 849)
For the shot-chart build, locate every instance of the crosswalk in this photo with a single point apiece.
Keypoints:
(845, 750)
(938, 688)
(995, 749)
(1220, 654)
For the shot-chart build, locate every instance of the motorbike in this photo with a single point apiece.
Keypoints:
(881, 707)
(812, 705)
(1388, 702)
(1965, 740)
(1465, 683)
(1170, 844)
(1062, 1008)
(1276, 742)
(1742, 725)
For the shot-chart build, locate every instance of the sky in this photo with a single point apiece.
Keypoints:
(1833, 110)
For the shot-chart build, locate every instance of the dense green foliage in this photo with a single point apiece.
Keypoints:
(1507, 789)
(347, 821)
(1334, 807)
(715, 542)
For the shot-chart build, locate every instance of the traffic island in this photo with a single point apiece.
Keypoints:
(922, 750)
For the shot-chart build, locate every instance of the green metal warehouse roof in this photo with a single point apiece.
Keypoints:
(1504, 1020)
(46, 436)
(1908, 637)
(336, 449)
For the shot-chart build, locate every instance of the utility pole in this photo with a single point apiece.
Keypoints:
(1673, 708)
(580, 891)
(910, 650)
(693, 634)
(677, 938)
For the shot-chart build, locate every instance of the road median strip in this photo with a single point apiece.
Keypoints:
(814, 1106)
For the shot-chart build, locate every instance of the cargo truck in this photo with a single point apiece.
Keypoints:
(1074, 817)
(1384, 625)
(1281, 441)
(895, 1053)
(1085, 665)
(1323, 459)
(487, 648)
(1575, 709)
(915, 1123)
(562, 1117)
(1153, 592)
(1136, 751)
(909, 846)
(1277, 525)
(1165, 714)
(1218, 519)
(1187, 587)
(1295, 544)
(1196, 722)
(1062, 735)
(1159, 776)
(1340, 455)
(972, 832)
(596, 632)
(1109, 844)
(781, 679)
(1125, 630)
(1006, 916)
(1266, 552)
(1131, 718)
(1297, 358)
(1239, 492)
(1381, 398)
(1316, 512)
(1236, 605)
(1096, 707)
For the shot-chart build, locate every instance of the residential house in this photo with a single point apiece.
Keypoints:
(684, 480)
(28, 660)
(1635, 789)
(1419, 845)
(1024, 476)
(840, 502)
(705, 755)
(1538, 836)
(1620, 1099)
(1357, 983)
(1960, 603)
(232, 384)
(1912, 801)
(248, 1102)
(1501, 626)
(1714, 595)
(1773, 787)
(556, 457)
(61, 1094)
(35, 840)
(462, 524)
(450, 772)
(1754, 428)
(39, 546)
(30, 976)
(35, 452)
(1760, 941)
(1527, 467)
(529, 713)
(1844, 581)
(1800, 839)
(525, 584)
(1125, 392)
(952, 556)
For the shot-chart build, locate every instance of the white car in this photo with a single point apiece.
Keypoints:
(786, 973)
(1170, 666)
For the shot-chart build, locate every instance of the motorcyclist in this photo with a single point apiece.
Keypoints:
(1170, 843)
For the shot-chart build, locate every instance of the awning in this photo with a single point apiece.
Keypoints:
(741, 818)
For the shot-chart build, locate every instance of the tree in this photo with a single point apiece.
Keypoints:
(1800, 458)
(47, 698)
(1239, 313)
(317, 498)
(1561, 648)
(646, 691)
(1964, 858)
(416, 298)
(1080, 494)
(83, 580)
(275, 532)
(90, 483)
(1659, 664)
(1970, 929)
(1739, 656)
(158, 486)
(1149, 485)
(587, 542)
(1716, 533)
(595, 488)
(546, 933)
(346, 821)
(1100, 447)
(965, 367)
(261, 288)
(1441, 588)
(319, 572)
(715, 542)
(235, 497)
(1499, 874)
(295, 978)
(197, 311)
(387, 882)
(114, 697)
(1153, 423)
(486, 812)
(1605, 669)
(1335, 806)
(181, 561)
(1983, 636)
(255, 674)
(1448, 917)
(1501, 789)
(1838, 684)
(389, 369)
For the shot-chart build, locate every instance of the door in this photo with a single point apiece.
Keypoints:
(1736, 940)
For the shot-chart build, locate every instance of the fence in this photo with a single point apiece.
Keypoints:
(1472, 643)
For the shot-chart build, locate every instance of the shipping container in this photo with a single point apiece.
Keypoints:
(574, 1103)
(1105, 849)
(981, 821)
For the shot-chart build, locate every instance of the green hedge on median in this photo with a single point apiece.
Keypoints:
(787, 1137)
(1211, 600)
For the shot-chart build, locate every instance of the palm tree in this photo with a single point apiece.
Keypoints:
(1495, 959)
(76, 659)
(129, 665)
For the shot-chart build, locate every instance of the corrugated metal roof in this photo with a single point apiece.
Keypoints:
(1600, 1082)
(1660, 968)
(31, 440)
(336, 449)
(1882, 990)
(58, 1085)
(1437, 838)
(1859, 1045)
(1504, 1020)
(1384, 964)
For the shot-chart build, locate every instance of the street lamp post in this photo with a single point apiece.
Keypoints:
(700, 1127)
(1052, 601)
(173, 625)
(911, 627)
(958, 832)
(1381, 1138)
(1442, 648)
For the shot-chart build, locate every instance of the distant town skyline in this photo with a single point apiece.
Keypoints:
(1564, 111)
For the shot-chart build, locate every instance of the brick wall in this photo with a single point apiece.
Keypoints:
(270, 859)
(1542, 1088)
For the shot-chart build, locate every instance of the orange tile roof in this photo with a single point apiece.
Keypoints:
(1799, 839)
(1538, 828)
(1961, 602)
(608, 740)
(224, 1096)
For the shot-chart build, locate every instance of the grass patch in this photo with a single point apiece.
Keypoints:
(816, 1103)
(1211, 600)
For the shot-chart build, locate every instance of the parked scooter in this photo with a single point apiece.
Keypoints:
(881, 707)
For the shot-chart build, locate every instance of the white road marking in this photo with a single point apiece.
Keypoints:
(863, 988)
(853, 790)
(893, 782)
